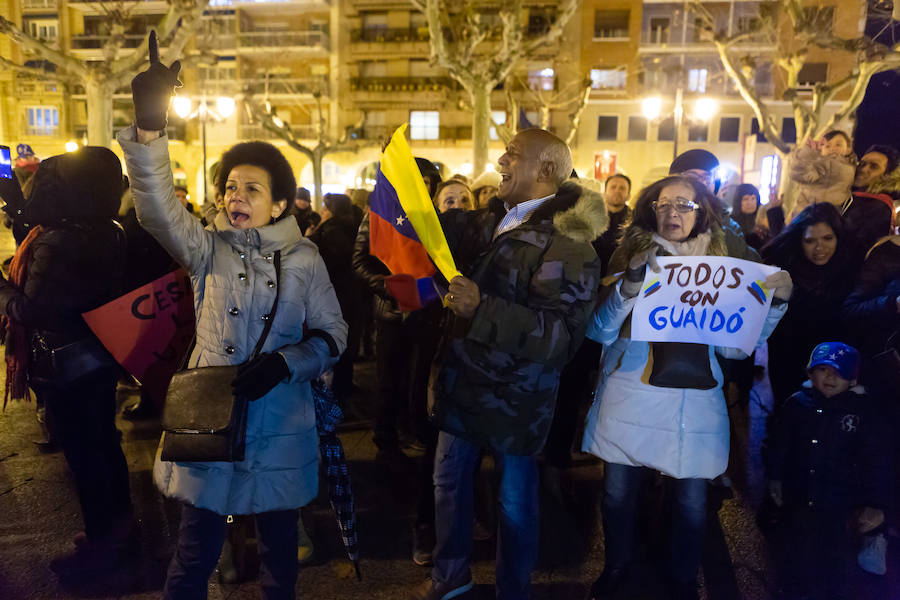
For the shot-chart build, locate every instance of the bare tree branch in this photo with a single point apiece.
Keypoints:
(35, 73)
(26, 42)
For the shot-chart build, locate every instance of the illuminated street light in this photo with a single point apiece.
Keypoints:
(705, 109)
(652, 107)
(71, 146)
(225, 106)
(182, 106)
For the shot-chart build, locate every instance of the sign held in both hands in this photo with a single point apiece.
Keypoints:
(714, 300)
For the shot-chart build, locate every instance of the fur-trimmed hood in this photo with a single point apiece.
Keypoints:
(889, 183)
(578, 210)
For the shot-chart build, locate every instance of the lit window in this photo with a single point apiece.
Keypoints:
(608, 79)
(424, 124)
(42, 120)
(697, 80)
(611, 24)
(543, 79)
(498, 117)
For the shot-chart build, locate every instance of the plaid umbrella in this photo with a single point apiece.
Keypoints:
(328, 415)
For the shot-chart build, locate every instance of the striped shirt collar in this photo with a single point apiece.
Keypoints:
(518, 214)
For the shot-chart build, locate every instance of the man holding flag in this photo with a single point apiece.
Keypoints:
(517, 318)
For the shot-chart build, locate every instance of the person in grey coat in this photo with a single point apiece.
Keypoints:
(230, 264)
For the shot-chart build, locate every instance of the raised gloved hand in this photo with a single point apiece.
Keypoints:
(256, 378)
(152, 90)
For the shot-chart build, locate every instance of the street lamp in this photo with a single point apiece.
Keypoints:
(184, 108)
(704, 110)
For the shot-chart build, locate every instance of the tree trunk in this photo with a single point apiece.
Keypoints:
(481, 127)
(99, 113)
(545, 117)
(316, 159)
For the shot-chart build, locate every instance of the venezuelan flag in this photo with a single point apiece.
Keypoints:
(405, 233)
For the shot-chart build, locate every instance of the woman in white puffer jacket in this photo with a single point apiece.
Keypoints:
(636, 427)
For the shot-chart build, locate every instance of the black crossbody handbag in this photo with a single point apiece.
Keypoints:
(203, 421)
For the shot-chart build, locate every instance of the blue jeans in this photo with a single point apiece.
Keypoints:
(517, 539)
(622, 486)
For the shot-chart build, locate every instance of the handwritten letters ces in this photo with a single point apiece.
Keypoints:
(712, 300)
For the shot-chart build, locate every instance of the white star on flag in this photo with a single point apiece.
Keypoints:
(832, 356)
(840, 352)
(400, 220)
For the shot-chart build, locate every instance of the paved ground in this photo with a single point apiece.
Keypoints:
(39, 515)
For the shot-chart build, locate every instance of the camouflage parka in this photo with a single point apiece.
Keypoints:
(495, 377)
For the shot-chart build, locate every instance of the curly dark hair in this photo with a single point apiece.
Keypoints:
(265, 156)
(645, 217)
(786, 247)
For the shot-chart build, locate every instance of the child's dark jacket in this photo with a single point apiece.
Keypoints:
(830, 453)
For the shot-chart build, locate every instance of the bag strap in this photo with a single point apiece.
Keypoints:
(270, 318)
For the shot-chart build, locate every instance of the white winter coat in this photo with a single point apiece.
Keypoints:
(233, 277)
(683, 433)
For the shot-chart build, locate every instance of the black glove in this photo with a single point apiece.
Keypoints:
(152, 90)
(256, 378)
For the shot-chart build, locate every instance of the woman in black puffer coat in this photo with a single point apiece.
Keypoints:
(72, 262)
(822, 260)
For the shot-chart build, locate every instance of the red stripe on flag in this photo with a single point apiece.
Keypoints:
(400, 253)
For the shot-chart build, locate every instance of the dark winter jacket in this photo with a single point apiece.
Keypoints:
(830, 453)
(814, 315)
(868, 218)
(77, 262)
(145, 259)
(496, 376)
(372, 271)
(871, 308)
(606, 244)
(335, 238)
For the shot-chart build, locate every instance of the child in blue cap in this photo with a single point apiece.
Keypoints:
(828, 461)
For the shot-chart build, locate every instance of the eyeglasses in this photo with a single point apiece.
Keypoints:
(681, 205)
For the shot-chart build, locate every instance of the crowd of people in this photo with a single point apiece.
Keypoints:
(530, 342)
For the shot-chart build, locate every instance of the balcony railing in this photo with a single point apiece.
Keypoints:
(258, 132)
(381, 132)
(401, 84)
(283, 39)
(91, 42)
(378, 35)
(40, 4)
(275, 85)
(48, 131)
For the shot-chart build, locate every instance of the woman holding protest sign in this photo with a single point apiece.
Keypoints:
(253, 274)
(822, 260)
(677, 425)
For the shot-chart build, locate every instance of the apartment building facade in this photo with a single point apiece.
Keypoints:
(365, 64)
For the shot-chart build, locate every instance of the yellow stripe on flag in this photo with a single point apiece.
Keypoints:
(399, 167)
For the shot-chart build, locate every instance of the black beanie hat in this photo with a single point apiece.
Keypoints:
(694, 159)
(427, 169)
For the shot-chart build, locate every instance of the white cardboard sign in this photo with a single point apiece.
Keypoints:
(714, 300)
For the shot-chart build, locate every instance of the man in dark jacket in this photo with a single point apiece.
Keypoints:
(517, 319)
(334, 237)
(403, 352)
(579, 375)
(702, 165)
(870, 215)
